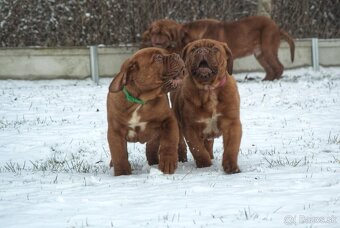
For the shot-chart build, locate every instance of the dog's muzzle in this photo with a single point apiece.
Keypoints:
(175, 72)
(203, 71)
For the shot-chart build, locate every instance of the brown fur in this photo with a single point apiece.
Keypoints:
(163, 33)
(256, 35)
(207, 105)
(147, 75)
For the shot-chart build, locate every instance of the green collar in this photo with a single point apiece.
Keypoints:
(131, 98)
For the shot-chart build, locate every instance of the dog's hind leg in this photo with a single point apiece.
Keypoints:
(277, 66)
(272, 55)
(268, 58)
(262, 59)
(151, 150)
(182, 149)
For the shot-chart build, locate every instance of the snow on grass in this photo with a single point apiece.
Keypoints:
(54, 160)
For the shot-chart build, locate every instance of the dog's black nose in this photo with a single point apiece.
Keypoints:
(205, 77)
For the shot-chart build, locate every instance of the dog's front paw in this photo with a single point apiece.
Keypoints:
(167, 164)
(203, 160)
(122, 169)
(231, 168)
(202, 163)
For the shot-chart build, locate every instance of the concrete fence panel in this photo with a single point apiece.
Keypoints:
(44, 63)
(329, 51)
(110, 59)
(52, 63)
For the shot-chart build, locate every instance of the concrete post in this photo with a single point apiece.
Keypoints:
(264, 7)
(315, 54)
(94, 64)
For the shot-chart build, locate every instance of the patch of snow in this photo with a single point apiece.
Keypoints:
(54, 160)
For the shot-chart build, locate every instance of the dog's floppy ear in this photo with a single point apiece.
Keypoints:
(121, 79)
(230, 62)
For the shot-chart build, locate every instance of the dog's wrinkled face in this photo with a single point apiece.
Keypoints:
(208, 61)
(150, 69)
(163, 33)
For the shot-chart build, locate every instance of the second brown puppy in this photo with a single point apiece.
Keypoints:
(208, 104)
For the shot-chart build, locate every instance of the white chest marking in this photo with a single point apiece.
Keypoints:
(211, 123)
(135, 122)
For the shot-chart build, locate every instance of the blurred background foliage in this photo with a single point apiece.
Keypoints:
(55, 23)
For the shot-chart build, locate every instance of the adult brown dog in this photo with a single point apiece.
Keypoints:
(256, 35)
(207, 105)
(138, 109)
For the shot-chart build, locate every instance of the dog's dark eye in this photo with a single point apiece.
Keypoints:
(215, 49)
(194, 49)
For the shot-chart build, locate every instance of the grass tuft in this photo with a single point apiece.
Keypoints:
(247, 214)
(277, 162)
(333, 139)
(67, 165)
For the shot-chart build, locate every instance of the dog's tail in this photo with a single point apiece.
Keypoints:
(291, 43)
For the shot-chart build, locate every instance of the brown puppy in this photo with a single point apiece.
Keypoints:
(207, 105)
(256, 35)
(163, 33)
(138, 109)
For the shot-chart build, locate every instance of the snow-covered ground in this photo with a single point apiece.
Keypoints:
(54, 161)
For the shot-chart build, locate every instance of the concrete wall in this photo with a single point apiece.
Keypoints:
(329, 52)
(110, 59)
(50, 63)
(329, 55)
(44, 63)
